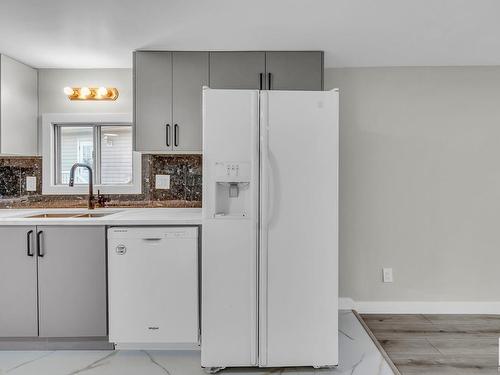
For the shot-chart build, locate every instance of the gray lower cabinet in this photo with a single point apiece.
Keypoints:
(53, 281)
(237, 70)
(153, 101)
(189, 75)
(72, 281)
(18, 282)
(290, 70)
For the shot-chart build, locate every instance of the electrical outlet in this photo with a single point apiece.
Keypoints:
(387, 275)
(30, 183)
(162, 181)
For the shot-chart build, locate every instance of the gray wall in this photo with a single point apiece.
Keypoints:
(51, 83)
(419, 175)
(419, 182)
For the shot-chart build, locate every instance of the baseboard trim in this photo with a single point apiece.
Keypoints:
(43, 343)
(420, 307)
(346, 304)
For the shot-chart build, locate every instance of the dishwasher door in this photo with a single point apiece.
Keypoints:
(153, 285)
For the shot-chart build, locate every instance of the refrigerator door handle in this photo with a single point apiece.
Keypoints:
(264, 227)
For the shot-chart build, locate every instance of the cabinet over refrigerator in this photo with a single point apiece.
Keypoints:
(270, 228)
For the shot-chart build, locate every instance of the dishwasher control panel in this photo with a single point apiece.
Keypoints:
(151, 233)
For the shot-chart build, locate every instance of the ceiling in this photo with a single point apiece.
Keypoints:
(102, 33)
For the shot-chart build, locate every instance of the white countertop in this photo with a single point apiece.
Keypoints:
(117, 216)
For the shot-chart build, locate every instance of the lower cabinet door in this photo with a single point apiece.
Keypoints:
(18, 315)
(72, 281)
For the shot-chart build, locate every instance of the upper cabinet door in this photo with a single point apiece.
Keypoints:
(294, 70)
(237, 70)
(190, 74)
(18, 283)
(18, 108)
(153, 101)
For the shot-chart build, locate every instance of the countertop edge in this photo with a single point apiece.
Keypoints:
(116, 217)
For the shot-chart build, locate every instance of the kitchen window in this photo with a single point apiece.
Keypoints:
(106, 147)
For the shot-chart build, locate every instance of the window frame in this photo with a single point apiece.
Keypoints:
(51, 152)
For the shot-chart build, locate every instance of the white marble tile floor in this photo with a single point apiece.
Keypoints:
(358, 356)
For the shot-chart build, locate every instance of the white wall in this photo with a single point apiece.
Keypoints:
(419, 182)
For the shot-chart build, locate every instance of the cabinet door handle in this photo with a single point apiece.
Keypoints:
(167, 135)
(39, 244)
(176, 135)
(261, 76)
(29, 236)
(269, 81)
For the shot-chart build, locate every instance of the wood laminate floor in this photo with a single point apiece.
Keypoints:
(439, 344)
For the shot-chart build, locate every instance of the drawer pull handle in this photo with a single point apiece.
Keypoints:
(176, 135)
(39, 244)
(167, 135)
(29, 236)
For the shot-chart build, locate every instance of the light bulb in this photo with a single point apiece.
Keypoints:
(69, 91)
(102, 91)
(85, 91)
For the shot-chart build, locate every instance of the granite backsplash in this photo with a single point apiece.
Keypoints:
(185, 184)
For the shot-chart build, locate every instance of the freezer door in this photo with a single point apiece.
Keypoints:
(229, 239)
(298, 291)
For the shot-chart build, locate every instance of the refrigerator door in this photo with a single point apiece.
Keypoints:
(298, 292)
(229, 239)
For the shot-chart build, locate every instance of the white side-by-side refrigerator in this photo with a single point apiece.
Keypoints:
(270, 228)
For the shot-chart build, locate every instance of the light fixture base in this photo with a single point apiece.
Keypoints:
(96, 93)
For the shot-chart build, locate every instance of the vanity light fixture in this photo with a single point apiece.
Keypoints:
(91, 93)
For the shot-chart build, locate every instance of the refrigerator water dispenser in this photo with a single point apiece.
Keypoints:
(232, 193)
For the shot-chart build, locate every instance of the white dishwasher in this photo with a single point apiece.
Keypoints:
(153, 285)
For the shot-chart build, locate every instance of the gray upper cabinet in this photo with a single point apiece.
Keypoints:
(18, 108)
(72, 281)
(237, 70)
(190, 74)
(294, 70)
(18, 282)
(167, 100)
(168, 89)
(153, 101)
